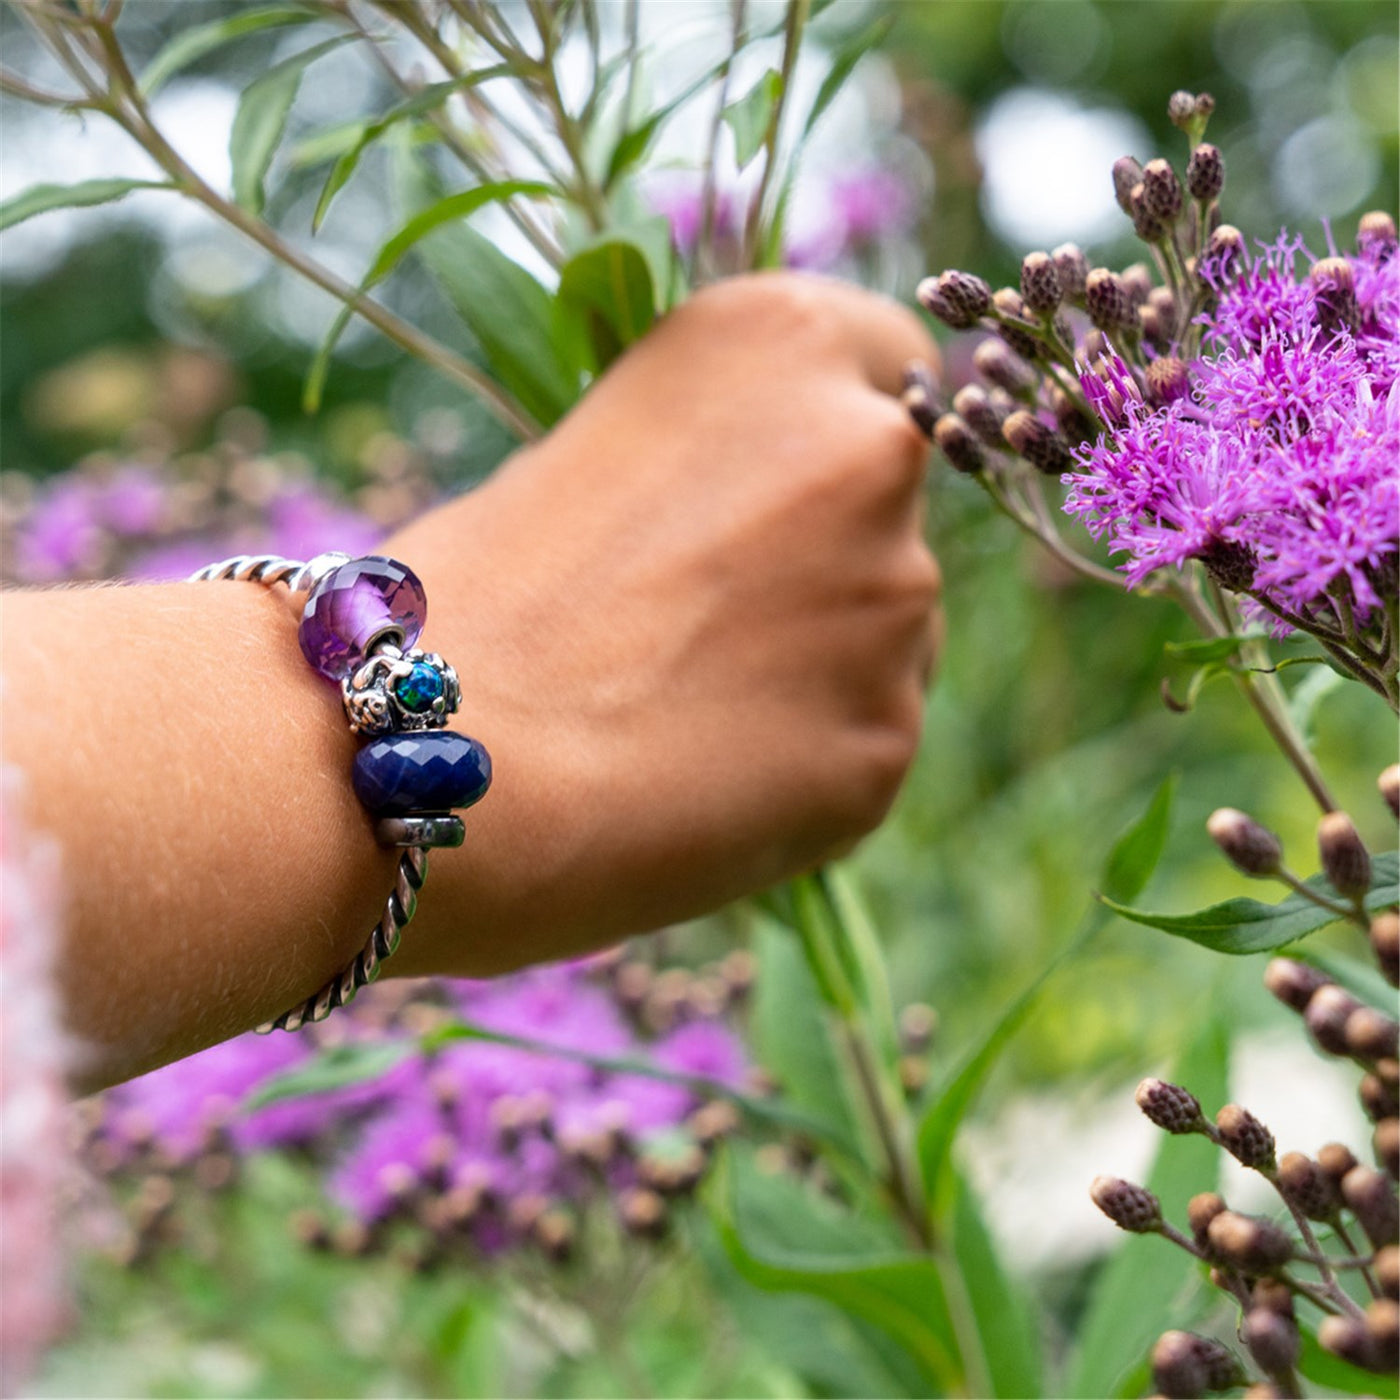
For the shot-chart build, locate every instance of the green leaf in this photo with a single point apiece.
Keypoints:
(784, 1239)
(452, 208)
(40, 199)
(339, 1067)
(1140, 1290)
(1324, 1369)
(261, 118)
(1135, 854)
(1308, 694)
(749, 117)
(608, 288)
(432, 96)
(191, 45)
(1006, 1326)
(1246, 926)
(843, 64)
(1207, 649)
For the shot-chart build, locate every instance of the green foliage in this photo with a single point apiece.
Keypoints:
(40, 199)
(608, 287)
(188, 46)
(1246, 926)
(750, 116)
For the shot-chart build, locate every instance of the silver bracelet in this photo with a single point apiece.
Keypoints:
(358, 627)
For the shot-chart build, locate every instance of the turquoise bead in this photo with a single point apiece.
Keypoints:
(419, 688)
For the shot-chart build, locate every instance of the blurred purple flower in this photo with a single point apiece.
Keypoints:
(303, 521)
(62, 536)
(870, 205)
(133, 502)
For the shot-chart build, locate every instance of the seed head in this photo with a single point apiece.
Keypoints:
(1349, 1338)
(1161, 190)
(1334, 295)
(1307, 1186)
(1245, 1138)
(1385, 1142)
(1375, 234)
(1249, 847)
(1293, 982)
(997, 364)
(1371, 1198)
(1130, 1207)
(958, 444)
(919, 396)
(1171, 1107)
(1200, 1211)
(1205, 173)
(1181, 109)
(1272, 1340)
(1372, 1035)
(984, 413)
(1251, 1245)
(1387, 1270)
(1389, 786)
(1040, 283)
(1009, 303)
(1107, 302)
(1326, 1018)
(1345, 860)
(1044, 448)
(1167, 380)
(956, 298)
(1127, 176)
(1073, 268)
(1385, 943)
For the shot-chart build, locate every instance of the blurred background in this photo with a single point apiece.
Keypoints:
(164, 359)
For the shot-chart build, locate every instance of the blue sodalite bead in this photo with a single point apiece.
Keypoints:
(432, 771)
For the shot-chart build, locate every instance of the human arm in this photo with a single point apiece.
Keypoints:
(692, 627)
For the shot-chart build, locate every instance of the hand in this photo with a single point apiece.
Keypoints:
(693, 626)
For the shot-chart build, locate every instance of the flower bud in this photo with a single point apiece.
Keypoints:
(958, 444)
(643, 1213)
(1205, 105)
(1137, 282)
(996, 363)
(1249, 847)
(1167, 380)
(1371, 1198)
(1094, 346)
(917, 1024)
(1070, 418)
(919, 396)
(555, 1235)
(1274, 1295)
(1205, 173)
(1009, 303)
(1372, 1035)
(1385, 1142)
(1388, 785)
(1073, 268)
(1181, 109)
(1383, 1323)
(1155, 331)
(1161, 190)
(956, 298)
(1147, 224)
(1107, 302)
(1375, 234)
(1336, 1160)
(1345, 860)
(1251, 1245)
(738, 969)
(1127, 176)
(1178, 1369)
(1171, 1107)
(1245, 1138)
(712, 1122)
(1387, 1270)
(1164, 302)
(1307, 1187)
(1200, 1211)
(1225, 250)
(1272, 1340)
(1334, 295)
(1349, 1338)
(984, 413)
(1130, 1207)
(1326, 1018)
(1040, 283)
(1377, 1097)
(1293, 982)
(1044, 448)
(1385, 943)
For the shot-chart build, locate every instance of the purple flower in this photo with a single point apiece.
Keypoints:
(133, 501)
(870, 205)
(303, 521)
(63, 536)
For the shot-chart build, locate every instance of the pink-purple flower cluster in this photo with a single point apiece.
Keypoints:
(1277, 467)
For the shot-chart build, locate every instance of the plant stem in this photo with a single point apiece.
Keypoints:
(1342, 911)
(795, 21)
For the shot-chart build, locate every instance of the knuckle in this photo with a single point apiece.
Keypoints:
(783, 304)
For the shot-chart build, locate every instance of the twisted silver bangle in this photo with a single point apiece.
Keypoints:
(399, 908)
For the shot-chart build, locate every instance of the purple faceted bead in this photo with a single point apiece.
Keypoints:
(363, 602)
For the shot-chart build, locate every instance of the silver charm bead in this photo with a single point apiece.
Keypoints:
(380, 696)
(443, 831)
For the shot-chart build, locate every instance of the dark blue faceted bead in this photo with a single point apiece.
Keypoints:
(432, 771)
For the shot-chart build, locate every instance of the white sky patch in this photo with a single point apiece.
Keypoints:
(1047, 161)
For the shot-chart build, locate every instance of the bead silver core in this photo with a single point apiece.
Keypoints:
(443, 831)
